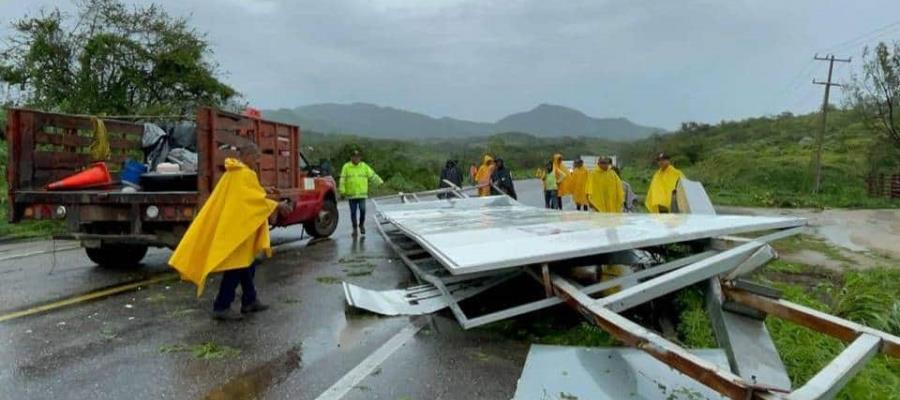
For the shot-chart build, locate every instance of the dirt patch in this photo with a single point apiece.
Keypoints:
(867, 237)
(816, 259)
(834, 259)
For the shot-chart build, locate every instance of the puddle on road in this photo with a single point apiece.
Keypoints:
(255, 382)
(355, 329)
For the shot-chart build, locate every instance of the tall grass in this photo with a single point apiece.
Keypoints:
(870, 297)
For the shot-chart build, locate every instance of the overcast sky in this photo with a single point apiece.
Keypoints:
(655, 62)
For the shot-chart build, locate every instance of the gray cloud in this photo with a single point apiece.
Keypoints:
(655, 62)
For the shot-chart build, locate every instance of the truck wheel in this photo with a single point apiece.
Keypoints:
(325, 223)
(117, 255)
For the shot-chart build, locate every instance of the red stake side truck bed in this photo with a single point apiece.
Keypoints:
(116, 227)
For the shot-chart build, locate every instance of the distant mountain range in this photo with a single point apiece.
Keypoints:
(371, 120)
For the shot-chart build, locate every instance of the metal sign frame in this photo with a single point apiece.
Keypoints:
(723, 267)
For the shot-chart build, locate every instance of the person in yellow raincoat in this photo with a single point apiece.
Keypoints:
(565, 187)
(664, 182)
(483, 176)
(227, 235)
(578, 184)
(604, 188)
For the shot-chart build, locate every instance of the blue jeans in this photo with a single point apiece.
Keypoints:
(357, 205)
(230, 281)
(550, 199)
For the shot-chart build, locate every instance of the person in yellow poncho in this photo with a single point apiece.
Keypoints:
(604, 188)
(664, 182)
(228, 233)
(483, 176)
(578, 184)
(565, 186)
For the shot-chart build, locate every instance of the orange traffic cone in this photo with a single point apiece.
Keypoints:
(95, 175)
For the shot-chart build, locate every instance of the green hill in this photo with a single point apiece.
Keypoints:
(767, 161)
(371, 120)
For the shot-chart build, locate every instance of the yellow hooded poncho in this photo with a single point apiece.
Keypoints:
(605, 191)
(661, 187)
(565, 186)
(229, 231)
(483, 176)
(579, 179)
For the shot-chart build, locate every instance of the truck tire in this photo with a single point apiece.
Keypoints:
(325, 222)
(117, 255)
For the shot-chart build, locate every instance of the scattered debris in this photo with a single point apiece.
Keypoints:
(204, 351)
(329, 280)
(156, 298)
(107, 333)
(182, 312)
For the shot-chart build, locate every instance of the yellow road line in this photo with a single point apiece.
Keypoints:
(87, 297)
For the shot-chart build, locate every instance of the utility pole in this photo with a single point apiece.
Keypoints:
(820, 138)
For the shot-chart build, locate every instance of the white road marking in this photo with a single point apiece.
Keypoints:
(344, 385)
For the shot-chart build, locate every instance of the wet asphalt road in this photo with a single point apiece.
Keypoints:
(124, 346)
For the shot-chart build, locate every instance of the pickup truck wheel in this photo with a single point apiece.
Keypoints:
(117, 255)
(325, 223)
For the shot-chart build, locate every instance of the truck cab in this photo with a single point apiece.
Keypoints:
(117, 225)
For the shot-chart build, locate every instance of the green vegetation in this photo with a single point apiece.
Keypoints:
(203, 351)
(694, 328)
(357, 266)
(766, 161)
(26, 229)
(762, 161)
(329, 280)
(408, 166)
(871, 297)
(110, 58)
(552, 329)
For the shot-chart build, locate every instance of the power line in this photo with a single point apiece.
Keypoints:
(863, 37)
(796, 82)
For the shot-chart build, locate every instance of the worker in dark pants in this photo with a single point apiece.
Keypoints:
(230, 281)
(244, 277)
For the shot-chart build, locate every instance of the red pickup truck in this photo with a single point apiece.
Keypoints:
(117, 226)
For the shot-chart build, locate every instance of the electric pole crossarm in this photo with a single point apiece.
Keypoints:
(829, 58)
(826, 83)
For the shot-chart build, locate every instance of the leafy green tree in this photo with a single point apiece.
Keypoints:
(876, 94)
(110, 59)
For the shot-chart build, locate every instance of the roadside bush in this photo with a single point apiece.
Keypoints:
(399, 183)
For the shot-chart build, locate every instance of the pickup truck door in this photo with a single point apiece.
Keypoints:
(308, 202)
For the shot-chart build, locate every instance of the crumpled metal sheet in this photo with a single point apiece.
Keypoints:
(394, 302)
(489, 233)
(415, 300)
(601, 373)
